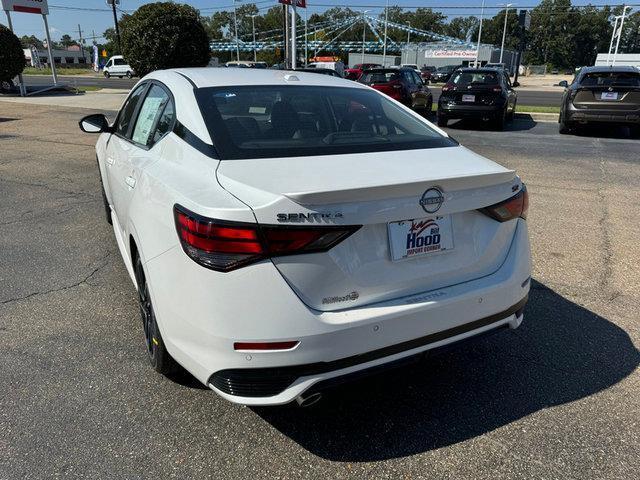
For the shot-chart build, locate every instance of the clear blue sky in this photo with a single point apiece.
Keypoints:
(97, 16)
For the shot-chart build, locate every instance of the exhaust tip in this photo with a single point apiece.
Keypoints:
(304, 401)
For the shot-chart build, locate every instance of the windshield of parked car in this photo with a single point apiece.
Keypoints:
(379, 76)
(447, 69)
(609, 79)
(290, 121)
(474, 78)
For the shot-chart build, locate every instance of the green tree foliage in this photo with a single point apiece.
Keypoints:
(27, 41)
(66, 41)
(164, 35)
(11, 54)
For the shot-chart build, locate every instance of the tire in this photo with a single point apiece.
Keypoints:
(429, 108)
(159, 358)
(512, 114)
(129, 75)
(442, 120)
(501, 120)
(563, 127)
(107, 75)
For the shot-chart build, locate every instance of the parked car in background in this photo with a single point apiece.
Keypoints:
(336, 66)
(601, 95)
(481, 93)
(442, 74)
(284, 236)
(426, 72)
(322, 71)
(246, 64)
(412, 66)
(354, 72)
(117, 66)
(401, 84)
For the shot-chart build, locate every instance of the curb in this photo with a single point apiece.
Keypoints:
(538, 116)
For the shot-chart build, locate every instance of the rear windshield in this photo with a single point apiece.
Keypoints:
(369, 78)
(611, 79)
(475, 78)
(289, 121)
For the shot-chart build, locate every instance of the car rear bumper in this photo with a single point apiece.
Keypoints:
(470, 111)
(626, 117)
(200, 323)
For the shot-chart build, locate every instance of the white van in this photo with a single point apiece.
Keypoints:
(117, 66)
(337, 66)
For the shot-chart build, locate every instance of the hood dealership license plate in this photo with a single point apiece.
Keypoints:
(421, 236)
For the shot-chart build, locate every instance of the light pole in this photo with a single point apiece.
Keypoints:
(504, 30)
(479, 33)
(235, 26)
(615, 53)
(613, 36)
(294, 51)
(364, 31)
(408, 37)
(384, 48)
(253, 27)
(306, 38)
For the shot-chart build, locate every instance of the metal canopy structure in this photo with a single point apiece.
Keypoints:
(331, 33)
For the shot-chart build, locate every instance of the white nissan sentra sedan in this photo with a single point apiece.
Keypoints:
(287, 231)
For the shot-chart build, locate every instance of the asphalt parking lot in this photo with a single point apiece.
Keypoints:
(559, 398)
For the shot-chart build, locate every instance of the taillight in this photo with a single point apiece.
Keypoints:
(225, 246)
(511, 208)
(448, 87)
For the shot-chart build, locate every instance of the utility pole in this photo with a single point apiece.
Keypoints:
(115, 21)
(613, 36)
(364, 31)
(253, 26)
(294, 50)
(504, 31)
(479, 33)
(624, 12)
(384, 48)
(235, 26)
(408, 36)
(81, 42)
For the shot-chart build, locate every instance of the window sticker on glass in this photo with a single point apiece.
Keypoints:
(148, 113)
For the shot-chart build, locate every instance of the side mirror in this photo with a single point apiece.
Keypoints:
(563, 83)
(95, 123)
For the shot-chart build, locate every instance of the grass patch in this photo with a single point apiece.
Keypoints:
(59, 71)
(537, 109)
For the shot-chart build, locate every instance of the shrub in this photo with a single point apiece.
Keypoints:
(163, 35)
(11, 55)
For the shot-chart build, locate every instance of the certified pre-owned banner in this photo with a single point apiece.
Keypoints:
(450, 53)
(26, 6)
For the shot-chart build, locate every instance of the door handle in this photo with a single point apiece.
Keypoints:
(110, 160)
(130, 181)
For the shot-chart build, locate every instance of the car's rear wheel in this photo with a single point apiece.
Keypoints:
(512, 113)
(158, 355)
(129, 75)
(501, 120)
(107, 75)
(563, 127)
(6, 86)
(442, 120)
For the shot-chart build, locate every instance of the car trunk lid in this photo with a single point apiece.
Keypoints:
(375, 190)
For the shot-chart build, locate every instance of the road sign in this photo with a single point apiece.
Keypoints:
(299, 3)
(26, 6)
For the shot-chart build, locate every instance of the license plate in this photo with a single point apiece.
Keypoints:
(420, 236)
(468, 98)
(609, 96)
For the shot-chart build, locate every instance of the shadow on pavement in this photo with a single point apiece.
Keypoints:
(561, 353)
(606, 131)
(515, 125)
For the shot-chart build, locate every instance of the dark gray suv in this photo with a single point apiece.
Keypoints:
(602, 95)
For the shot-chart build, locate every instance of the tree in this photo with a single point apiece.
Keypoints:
(464, 28)
(551, 37)
(27, 41)
(11, 55)
(164, 35)
(66, 41)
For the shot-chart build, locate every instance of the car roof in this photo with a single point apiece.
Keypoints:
(223, 77)
(610, 68)
(480, 70)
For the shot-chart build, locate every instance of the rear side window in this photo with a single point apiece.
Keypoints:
(125, 117)
(611, 79)
(119, 61)
(149, 117)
